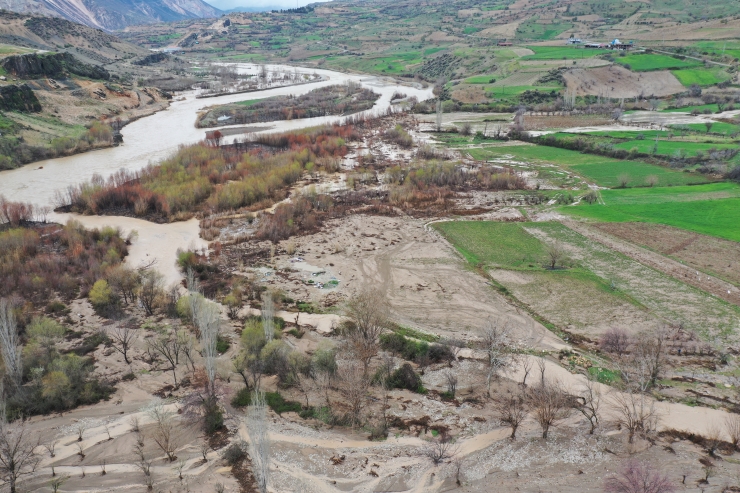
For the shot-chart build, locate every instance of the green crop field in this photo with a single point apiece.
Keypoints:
(721, 128)
(709, 209)
(532, 29)
(627, 134)
(701, 76)
(671, 148)
(700, 108)
(480, 79)
(642, 63)
(561, 52)
(509, 91)
(504, 245)
(603, 171)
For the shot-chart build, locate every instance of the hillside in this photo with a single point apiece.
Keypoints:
(115, 14)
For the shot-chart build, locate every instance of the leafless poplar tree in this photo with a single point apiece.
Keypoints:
(208, 319)
(10, 343)
(268, 316)
(495, 344)
(259, 441)
(17, 451)
(123, 337)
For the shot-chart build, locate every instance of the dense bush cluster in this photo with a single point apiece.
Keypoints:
(216, 178)
(325, 101)
(37, 263)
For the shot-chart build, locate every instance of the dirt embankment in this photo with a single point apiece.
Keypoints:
(616, 81)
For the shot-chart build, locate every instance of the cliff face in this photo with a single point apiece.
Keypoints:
(55, 66)
(19, 98)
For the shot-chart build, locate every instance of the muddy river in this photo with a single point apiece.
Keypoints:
(152, 139)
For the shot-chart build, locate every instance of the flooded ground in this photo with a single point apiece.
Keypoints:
(151, 139)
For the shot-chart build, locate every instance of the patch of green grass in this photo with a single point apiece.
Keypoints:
(701, 76)
(699, 107)
(511, 91)
(709, 209)
(561, 52)
(604, 375)
(278, 403)
(504, 245)
(671, 148)
(414, 334)
(603, 171)
(248, 103)
(481, 79)
(533, 29)
(647, 62)
(717, 128)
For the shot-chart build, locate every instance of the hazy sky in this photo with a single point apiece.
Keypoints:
(232, 4)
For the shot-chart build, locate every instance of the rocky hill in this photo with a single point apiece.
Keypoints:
(92, 46)
(51, 65)
(115, 14)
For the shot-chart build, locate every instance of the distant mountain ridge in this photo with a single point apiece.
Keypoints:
(113, 15)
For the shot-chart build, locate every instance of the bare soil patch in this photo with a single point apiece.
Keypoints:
(618, 82)
(704, 253)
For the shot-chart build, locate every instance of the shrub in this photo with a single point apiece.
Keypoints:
(235, 453)
(242, 398)
(406, 378)
(278, 404)
(222, 344)
(103, 299)
(406, 348)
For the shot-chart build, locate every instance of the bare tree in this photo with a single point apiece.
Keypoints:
(615, 340)
(542, 366)
(634, 412)
(368, 314)
(151, 290)
(526, 367)
(143, 462)
(440, 449)
(496, 346)
(260, 443)
(123, 338)
(732, 425)
(638, 477)
(549, 404)
(50, 445)
(18, 455)
(10, 344)
(353, 384)
(646, 363)
(169, 347)
(713, 438)
(511, 410)
(588, 401)
(556, 254)
(164, 432)
(451, 379)
(56, 483)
